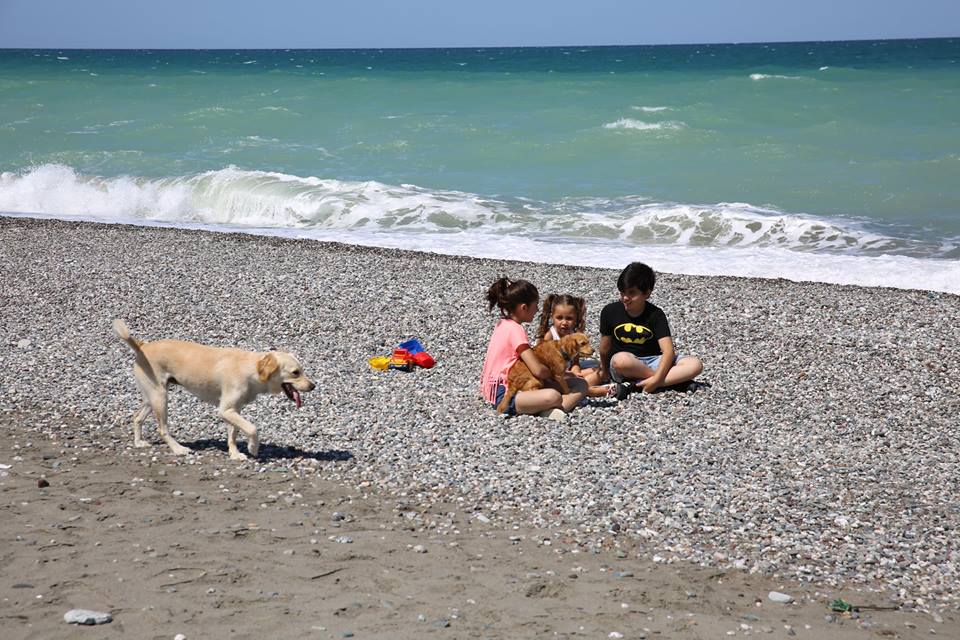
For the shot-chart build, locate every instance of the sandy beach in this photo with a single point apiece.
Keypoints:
(818, 460)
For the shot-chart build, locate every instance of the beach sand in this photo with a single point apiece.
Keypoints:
(211, 550)
(820, 460)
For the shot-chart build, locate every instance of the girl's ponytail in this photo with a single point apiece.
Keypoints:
(546, 316)
(508, 294)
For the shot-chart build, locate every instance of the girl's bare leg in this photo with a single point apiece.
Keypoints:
(578, 391)
(595, 386)
(533, 402)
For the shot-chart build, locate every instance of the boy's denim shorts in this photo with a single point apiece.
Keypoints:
(511, 409)
(651, 361)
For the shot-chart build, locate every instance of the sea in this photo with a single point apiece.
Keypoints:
(813, 161)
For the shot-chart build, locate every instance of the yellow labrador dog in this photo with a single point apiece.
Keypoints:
(226, 378)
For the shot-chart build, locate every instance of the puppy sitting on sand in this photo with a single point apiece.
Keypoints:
(226, 378)
(557, 355)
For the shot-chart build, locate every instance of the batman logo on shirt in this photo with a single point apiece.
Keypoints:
(630, 333)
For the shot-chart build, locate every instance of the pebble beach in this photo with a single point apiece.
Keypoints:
(821, 448)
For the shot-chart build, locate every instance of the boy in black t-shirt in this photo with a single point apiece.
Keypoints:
(636, 349)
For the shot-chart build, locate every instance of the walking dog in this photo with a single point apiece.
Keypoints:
(225, 378)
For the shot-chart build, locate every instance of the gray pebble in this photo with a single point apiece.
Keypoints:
(86, 617)
(763, 483)
(782, 598)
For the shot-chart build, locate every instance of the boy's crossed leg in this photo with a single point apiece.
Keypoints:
(630, 371)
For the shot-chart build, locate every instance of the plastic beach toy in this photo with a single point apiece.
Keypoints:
(401, 360)
(423, 359)
(379, 362)
(412, 345)
(404, 357)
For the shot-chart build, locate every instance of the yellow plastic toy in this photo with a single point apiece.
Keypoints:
(380, 362)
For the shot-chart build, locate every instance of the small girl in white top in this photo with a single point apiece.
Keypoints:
(563, 314)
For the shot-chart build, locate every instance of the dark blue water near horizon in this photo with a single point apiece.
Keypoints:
(855, 54)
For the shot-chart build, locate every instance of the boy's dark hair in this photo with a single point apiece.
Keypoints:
(508, 294)
(546, 315)
(636, 275)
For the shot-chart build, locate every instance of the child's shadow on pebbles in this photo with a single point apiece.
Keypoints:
(275, 452)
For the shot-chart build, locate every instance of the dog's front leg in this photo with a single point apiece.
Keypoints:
(235, 421)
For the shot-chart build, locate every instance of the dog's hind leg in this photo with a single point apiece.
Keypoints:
(147, 383)
(158, 402)
(138, 419)
(235, 421)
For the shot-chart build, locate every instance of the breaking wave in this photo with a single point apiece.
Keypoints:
(237, 197)
(718, 239)
(640, 125)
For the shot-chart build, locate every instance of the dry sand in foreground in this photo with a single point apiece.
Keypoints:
(216, 550)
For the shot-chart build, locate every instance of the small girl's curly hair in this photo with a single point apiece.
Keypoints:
(508, 294)
(549, 304)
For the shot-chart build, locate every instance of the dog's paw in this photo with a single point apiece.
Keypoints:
(181, 450)
(141, 444)
(236, 455)
(253, 446)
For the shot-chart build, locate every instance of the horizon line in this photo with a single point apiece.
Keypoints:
(427, 48)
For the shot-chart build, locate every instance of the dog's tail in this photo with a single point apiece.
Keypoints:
(120, 328)
(506, 400)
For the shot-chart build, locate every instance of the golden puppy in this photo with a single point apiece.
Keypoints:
(557, 355)
(226, 378)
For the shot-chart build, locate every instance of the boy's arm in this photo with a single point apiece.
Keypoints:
(655, 381)
(606, 347)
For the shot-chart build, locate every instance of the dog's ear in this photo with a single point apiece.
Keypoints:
(267, 366)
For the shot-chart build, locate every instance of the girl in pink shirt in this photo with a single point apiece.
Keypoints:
(517, 301)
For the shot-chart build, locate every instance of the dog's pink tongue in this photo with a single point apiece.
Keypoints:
(296, 398)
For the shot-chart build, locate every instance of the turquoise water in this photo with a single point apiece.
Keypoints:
(806, 160)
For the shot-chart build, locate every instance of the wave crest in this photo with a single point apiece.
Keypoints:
(773, 76)
(640, 125)
(258, 199)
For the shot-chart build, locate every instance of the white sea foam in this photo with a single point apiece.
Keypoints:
(640, 125)
(245, 198)
(720, 239)
(772, 76)
(650, 109)
(209, 110)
